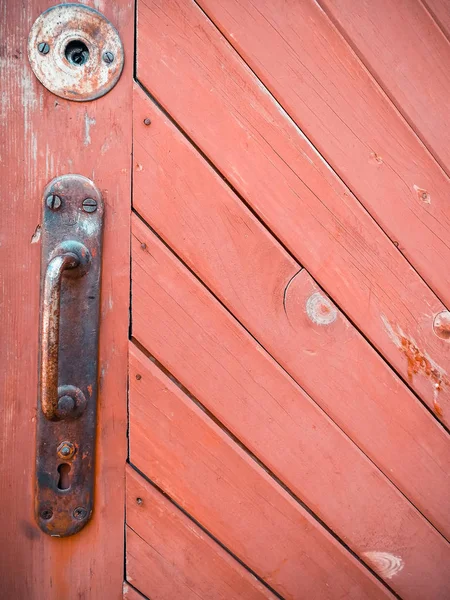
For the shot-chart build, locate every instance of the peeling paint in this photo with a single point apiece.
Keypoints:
(374, 157)
(422, 194)
(36, 235)
(87, 128)
(385, 564)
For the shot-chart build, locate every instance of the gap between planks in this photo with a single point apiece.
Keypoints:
(379, 335)
(179, 509)
(251, 455)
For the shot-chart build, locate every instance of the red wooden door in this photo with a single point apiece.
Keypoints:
(275, 292)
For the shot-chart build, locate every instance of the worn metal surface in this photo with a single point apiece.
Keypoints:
(75, 52)
(70, 295)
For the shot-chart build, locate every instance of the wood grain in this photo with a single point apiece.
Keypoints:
(226, 370)
(170, 557)
(440, 11)
(261, 285)
(211, 93)
(409, 55)
(44, 137)
(307, 65)
(205, 472)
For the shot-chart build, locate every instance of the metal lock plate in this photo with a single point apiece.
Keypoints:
(70, 299)
(75, 52)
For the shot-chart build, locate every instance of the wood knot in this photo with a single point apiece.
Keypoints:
(320, 309)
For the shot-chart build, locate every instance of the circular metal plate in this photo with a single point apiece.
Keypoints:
(75, 52)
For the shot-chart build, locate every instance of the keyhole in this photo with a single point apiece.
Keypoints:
(77, 53)
(64, 480)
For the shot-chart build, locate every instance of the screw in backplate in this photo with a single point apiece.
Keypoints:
(46, 514)
(53, 202)
(43, 48)
(80, 513)
(66, 450)
(108, 57)
(89, 205)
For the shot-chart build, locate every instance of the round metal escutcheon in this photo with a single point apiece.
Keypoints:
(75, 52)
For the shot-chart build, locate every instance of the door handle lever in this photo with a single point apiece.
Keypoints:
(69, 327)
(51, 309)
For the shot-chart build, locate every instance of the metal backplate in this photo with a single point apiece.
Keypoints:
(75, 52)
(72, 213)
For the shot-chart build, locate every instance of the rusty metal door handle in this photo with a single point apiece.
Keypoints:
(51, 308)
(66, 418)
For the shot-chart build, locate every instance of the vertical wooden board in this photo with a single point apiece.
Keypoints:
(208, 475)
(235, 380)
(45, 136)
(244, 266)
(410, 57)
(299, 55)
(440, 10)
(169, 556)
(207, 88)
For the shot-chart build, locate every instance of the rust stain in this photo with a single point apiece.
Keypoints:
(419, 363)
(437, 408)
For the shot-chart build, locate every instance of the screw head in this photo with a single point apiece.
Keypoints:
(89, 205)
(441, 325)
(80, 513)
(108, 57)
(46, 514)
(66, 405)
(53, 202)
(43, 48)
(147, 121)
(66, 450)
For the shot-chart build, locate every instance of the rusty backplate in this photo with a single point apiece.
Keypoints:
(75, 52)
(71, 226)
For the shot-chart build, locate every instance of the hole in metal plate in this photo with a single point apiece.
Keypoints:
(64, 478)
(77, 53)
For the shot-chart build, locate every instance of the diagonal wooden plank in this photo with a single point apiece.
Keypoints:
(299, 55)
(207, 88)
(170, 557)
(440, 11)
(129, 593)
(208, 475)
(254, 277)
(205, 349)
(410, 57)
